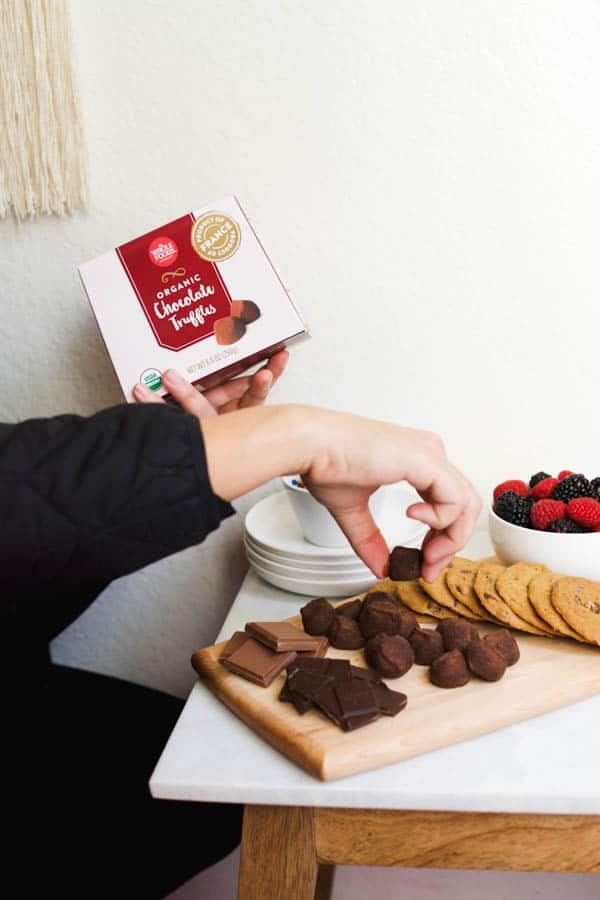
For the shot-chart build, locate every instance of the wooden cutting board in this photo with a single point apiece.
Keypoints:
(550, 674)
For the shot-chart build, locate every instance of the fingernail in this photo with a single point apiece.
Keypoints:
(140, 390)
(173, 378)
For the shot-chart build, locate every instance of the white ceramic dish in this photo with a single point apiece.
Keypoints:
(568, 554)
(317, 524)
(272, 526)
(318, 587)
(303, 571)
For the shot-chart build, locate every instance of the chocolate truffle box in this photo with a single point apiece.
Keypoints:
(199, 295)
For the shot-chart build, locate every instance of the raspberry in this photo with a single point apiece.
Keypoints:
(564, 474)
(572, 486)
(539, 476)
(545, 511)
(565, 526)
(513, 508)
(543, 489)
(585, 511)
(519, 487)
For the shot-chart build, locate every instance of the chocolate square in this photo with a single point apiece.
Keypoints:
(282, 636)
(257, 663)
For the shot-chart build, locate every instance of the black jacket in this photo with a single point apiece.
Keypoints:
(85, 501)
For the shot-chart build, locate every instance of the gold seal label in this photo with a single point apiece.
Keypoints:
(215, 236)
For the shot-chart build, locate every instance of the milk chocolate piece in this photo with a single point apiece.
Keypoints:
(257, 663)
(505, 644)
(390, 702)
(317, 616)
(281, 636)
(427, 645)
(319, 651)
(351, 609)
(345, 634)
(449, 670)
(379, 616)
(229, 330)
(236, 640)
(405, 564)
(484, 661)
(456, 634)
(246, 310)
(390, 655)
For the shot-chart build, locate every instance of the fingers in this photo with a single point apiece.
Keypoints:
(249, 390)
(277, 364)
(258, 390)
(143, 394)
(186, 395)
(365, 537)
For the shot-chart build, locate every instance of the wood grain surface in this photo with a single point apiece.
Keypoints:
(552, 673)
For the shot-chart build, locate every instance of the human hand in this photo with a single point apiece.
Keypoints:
(239, 393)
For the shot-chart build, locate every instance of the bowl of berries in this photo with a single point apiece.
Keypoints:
(550, 520)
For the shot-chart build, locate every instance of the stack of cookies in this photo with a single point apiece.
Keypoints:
(525, 596)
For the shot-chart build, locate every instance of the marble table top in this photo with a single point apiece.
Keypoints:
(550, 764)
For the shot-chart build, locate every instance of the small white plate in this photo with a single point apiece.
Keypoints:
(317, 587)
(273, 527)
(346, 565)
(306, 572)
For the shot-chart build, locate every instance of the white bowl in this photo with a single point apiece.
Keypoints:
(317, 587)
(567, 554)
(318, 525)
(284, 566)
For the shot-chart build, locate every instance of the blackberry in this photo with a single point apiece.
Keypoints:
(513, 508)
(595, 485)
(539, 476)
(571, 487)
(565, 526)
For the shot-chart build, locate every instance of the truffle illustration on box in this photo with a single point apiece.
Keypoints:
(198, 294)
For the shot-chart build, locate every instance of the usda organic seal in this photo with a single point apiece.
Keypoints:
(151, 378)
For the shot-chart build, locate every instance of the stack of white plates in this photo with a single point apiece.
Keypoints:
(279, 553)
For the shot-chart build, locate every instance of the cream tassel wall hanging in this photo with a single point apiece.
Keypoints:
(42, 158)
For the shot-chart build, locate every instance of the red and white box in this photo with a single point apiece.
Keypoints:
(198, 294)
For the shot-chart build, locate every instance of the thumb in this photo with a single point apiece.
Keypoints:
(365, 537)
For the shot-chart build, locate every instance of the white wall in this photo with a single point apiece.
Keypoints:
(426, 176)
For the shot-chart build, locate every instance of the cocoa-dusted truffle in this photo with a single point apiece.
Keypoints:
(449, 670)
(229, 330)
(317, 616)
(408, 623)
(484, 661)
(351, 609)
(505, 644)
(246, 310)
(390, 655)
(379, 616)
(405, 564)
(377, 595)
(427, 645)
(345, 634)
(456, 633)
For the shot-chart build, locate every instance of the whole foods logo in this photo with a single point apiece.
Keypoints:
(215, 236)
(163, 251)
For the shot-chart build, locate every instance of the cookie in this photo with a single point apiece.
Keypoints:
(411, 594)
(578, 602)
(485, 588)
(460, 581)
(540, 596)
(512, 586)
(438, 591)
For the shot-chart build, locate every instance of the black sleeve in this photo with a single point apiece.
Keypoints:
(84, 501)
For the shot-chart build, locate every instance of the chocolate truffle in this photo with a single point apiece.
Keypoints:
(246, 310)
(229, 330)
(345, 634)
(317, 616)
(427, 645)
(405, 564)
(505, 644)
(377, 595)
(408, 623)
(456, 633)
(449, 670)
(484, 661)
(390, 655)
(351, 609)
(379, 616)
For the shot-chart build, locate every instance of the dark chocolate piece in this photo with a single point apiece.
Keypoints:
(367, 674)
(229, 330)
(317, 616)
(308, 664)
(281, 636)
(326, 699)
(379, 616)
(351, 609)
(484, 661)
(236, 640)
(345, 634)
(456, 634)
(427, 645)
(246, 310)
(390, 655)
(449, 670)
(505, 644)
(390, 702)
(405, 564)
(257, 663)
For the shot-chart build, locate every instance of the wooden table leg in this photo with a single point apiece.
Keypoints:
(278, 859)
